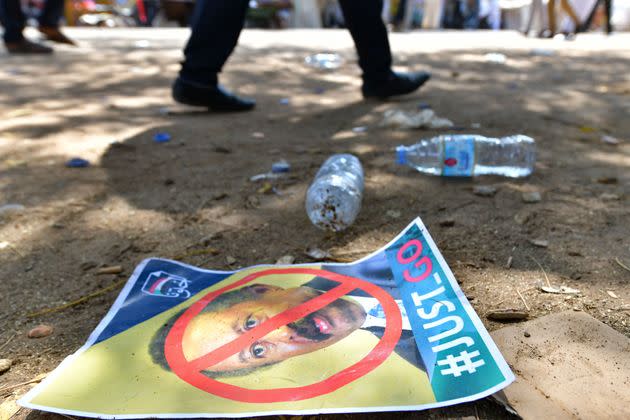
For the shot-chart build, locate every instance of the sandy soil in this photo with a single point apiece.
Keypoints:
(105, 100)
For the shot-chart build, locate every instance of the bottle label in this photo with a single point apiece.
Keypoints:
(459, 156)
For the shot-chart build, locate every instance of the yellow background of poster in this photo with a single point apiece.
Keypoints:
(118, 377)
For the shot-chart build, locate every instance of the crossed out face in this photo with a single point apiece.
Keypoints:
(210, 330)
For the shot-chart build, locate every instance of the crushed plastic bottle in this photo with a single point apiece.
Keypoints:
(334, 198)
(324, 61)
(471, 155)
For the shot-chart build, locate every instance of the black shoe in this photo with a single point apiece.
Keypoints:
(27, 47)
(396, 84)
(214, 97)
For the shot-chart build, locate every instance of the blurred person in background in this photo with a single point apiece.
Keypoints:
(13, 20)
(217, 24)
(551, 15)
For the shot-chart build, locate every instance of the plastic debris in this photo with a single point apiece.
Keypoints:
(562, 290)
(543, 52)
(610, 140)
(317, 254)
(143, 43)
(265, 177)
(361, 129)
(531, 197)
(162, 137)
(612, 294)
(394, 214)
(284, 101)
(115, 269)
(281, 166)
(77, 163)
(4, 245)
(497, 58)
(40, 331)
(540, 243)
(9, 209)
(324, 61)
(484, 190)
(425, 118)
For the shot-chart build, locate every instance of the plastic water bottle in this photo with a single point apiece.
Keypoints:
(324, 61)
(334, 198)
(471, 155)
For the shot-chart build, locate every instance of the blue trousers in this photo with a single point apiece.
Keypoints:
(13, 19)
(217, 24)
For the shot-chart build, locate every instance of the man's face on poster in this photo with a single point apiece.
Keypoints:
(210, 330)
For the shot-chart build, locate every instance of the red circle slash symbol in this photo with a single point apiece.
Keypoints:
(191, 370)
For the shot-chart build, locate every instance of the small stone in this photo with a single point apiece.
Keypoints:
(114, 269)
(447, 223)
(609, 197)
(531, 197)
(576, 275)
(219, 196)
(521, 218)
(317, 254)
(285, 260)
(258, 135)
(40, 331)
(526, 334)
(88, 265)
(5, 364)
(221, 149)
(541, 243)
(507, 315)
(612, 294)
(575, 254)
(394, 214)
(360, 129)
(610, 140)
(230, 260)
(607, 180)
(484, 190)
(206, 240)
(57, 226)
(169, 181)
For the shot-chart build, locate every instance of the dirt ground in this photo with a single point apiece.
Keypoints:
(106, 99)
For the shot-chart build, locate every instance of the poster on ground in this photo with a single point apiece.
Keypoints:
(392, 331)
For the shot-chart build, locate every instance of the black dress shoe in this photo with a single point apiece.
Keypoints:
(213, 97)
(396, 84)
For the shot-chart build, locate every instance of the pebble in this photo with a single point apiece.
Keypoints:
(447, 223)
(612, 294)
(317, 254)
(531, 197)
(5, 364)
(526, 334)
(541, 243)
(610, 140)
(484, 190)
(286, 260)
(360, 129)
(230, 260)
(206, 240)
(394, 214)
(609, 197)
(40, 331)
(221, 149)
(521, 218)
(507, 315)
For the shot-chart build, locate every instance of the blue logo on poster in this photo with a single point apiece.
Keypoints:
(161, 283)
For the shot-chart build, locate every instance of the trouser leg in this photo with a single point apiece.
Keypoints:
(12, 20)
(51, 15)
(363, 20)
(216, 26)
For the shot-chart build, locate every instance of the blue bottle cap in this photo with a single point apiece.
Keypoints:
(77, 163)
(161, 137)
(280, 167)
(401, 155)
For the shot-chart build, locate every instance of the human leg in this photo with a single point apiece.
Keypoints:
(13, 20)
(216, 26)
(363, 20)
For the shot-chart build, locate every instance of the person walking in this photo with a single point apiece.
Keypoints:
(13, 20)
(216, 26)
